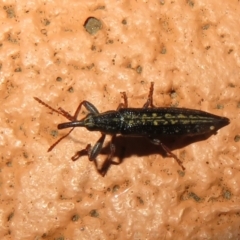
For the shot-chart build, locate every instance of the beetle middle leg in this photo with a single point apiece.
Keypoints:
(94, 151)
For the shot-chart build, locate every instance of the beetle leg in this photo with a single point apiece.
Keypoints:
(125, 103)
(82, 152)
(108, 162)
(167, 150)
(149, 102)
(89, 106)
(92, 152)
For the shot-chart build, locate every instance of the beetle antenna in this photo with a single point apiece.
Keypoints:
(59, 111)
(59, 140)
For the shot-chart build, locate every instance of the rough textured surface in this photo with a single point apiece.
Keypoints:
(190, 49)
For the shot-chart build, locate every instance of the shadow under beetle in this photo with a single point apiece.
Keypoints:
(149, 121)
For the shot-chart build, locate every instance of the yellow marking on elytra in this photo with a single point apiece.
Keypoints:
(168, 115)
(198, 117)
(212, 127)
(187, 121)
(154, 115)
(155, 122)
(130, 122)
(181, 116)
(173, 121)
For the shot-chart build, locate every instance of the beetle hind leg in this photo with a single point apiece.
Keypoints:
(149, 103)
(125, 101)
(168, 151)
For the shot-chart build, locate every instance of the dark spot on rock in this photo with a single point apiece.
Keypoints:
(92, 25)
(94, 213)
(237, 138)
(75, 218)
(227, 194)
(139, 69)
(71, 90)
(124, 21)
(54, 133)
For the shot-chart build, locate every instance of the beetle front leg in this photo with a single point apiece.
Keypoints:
(89, 106)
(92, 152)
(81, 153)
(167, 150)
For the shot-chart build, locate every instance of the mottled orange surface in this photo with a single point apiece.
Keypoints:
(190, 49)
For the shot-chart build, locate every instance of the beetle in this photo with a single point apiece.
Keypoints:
(149, 121)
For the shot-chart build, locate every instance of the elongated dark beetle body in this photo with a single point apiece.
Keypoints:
(149, 121)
